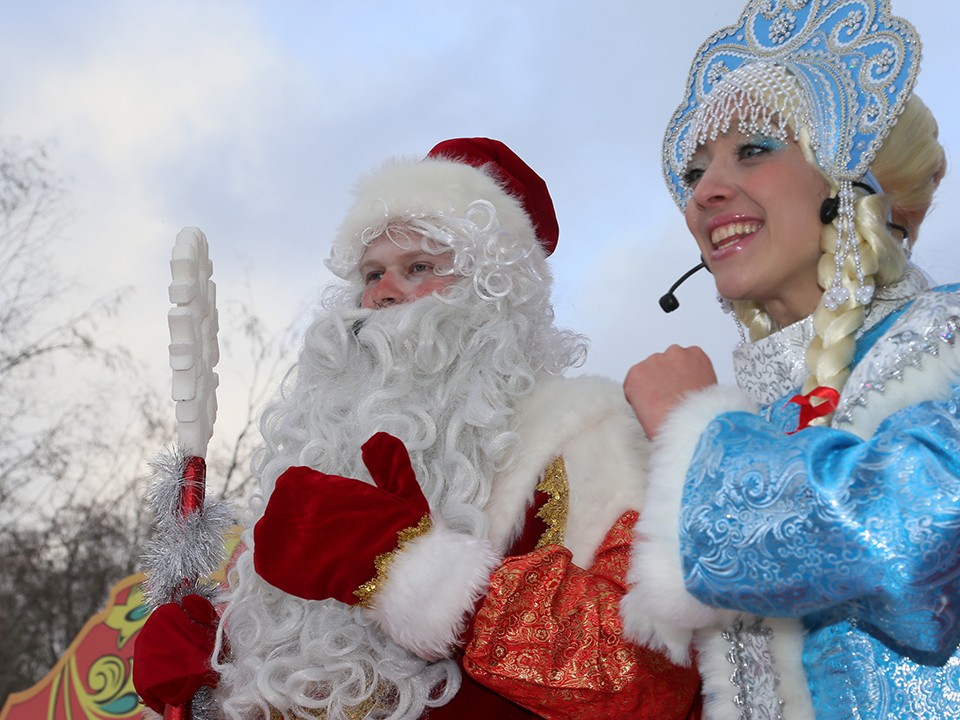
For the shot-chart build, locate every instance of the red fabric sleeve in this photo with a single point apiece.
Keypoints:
(549, 637)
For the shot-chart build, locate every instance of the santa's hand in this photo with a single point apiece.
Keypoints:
(321, 535)
(171, 655)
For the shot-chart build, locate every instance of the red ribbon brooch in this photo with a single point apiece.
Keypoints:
(829, 399)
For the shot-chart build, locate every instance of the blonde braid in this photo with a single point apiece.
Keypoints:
(909, 166)
(830, 354)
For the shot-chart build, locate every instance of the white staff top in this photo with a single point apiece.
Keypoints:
(193, 341)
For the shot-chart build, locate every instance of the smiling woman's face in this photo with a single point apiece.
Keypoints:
(754, 211)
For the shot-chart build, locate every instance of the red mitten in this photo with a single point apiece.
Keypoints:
(171, 655)
(320, 534)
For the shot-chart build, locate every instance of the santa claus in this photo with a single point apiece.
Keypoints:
(443, 521)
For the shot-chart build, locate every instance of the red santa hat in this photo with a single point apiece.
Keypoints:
(454, 174)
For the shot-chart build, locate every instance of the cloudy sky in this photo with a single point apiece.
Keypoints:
(252, 119)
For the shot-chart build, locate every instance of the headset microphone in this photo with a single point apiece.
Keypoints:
(669, 302)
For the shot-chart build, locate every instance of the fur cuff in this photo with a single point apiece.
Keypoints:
(657, 610)
(786, 657)
(431, 589)
(787, 648)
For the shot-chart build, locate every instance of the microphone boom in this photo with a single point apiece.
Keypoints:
(668, 301)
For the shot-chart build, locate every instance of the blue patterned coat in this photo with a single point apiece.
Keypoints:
(840, 545)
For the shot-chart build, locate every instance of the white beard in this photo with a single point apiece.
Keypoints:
(443, 375)
(423, 372)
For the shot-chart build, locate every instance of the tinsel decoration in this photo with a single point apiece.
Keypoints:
(202, 707)
(187, 547)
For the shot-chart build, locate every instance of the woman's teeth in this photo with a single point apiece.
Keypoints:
(729, 234)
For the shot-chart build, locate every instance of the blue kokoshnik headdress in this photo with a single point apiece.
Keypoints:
(841, 69)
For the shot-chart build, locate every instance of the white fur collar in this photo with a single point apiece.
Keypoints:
(587, 421)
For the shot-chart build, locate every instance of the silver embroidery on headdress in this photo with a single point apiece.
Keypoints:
(854, 65)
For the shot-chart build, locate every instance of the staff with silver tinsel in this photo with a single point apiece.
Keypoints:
(188, 545)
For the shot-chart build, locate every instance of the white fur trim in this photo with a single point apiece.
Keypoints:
(657, 610)
(414, 188)
(716, 671)
(786, 648)
(587, 421)
(431, 589)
